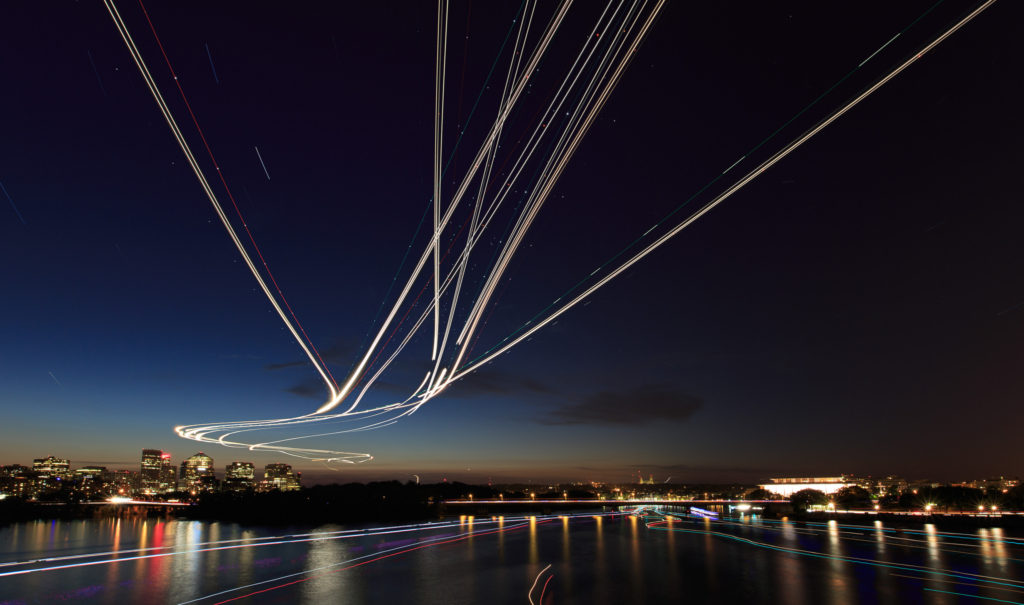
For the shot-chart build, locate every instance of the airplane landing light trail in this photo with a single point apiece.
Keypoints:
(508, 181)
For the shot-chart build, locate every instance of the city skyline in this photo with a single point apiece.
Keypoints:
(154, 477)
(159, 462)
(855, 309)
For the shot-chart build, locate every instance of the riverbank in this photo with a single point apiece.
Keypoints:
(910, 520)
(350, 503)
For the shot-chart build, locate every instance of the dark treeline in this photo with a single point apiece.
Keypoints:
(351, 502)
(944, 498)
(355, 502)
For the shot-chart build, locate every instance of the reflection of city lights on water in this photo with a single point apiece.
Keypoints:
(464, 526)
(836, 537)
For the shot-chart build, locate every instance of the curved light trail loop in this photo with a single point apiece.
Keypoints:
(513, 185)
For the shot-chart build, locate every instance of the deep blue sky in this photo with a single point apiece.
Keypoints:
(859, 308)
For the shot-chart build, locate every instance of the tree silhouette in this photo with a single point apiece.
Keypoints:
(853, 496)
(805, 498)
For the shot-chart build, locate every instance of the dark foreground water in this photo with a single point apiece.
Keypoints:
(551, 560)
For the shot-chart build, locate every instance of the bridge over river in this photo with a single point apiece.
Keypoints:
(483, 507)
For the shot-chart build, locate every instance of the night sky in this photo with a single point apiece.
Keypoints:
(859, 308)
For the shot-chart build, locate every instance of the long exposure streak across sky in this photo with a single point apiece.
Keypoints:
(449, 183)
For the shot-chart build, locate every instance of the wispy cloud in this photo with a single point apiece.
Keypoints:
(338, 353)
(313, 389)
(489, 382)
(287, 364)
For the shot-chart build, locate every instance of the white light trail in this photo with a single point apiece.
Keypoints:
(207, 189)
(108, 557)
(525, 176)
(750, 176)
(347, 387)
(529, 595)
(441, 60)
(260, 156)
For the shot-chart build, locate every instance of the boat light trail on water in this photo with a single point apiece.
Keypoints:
(32, 566)
(705, 526)
(513, 183)
(529, 595)
(366, 559)
(480, 527)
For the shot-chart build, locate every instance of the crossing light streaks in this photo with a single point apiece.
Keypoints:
(48, 564)
(746, 179)
(694, 524)
(442, 54)
(529, 595)
(421, 536)
(506, 183)
(150, 82)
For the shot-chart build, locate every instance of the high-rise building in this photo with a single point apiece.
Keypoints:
(240, 476)
(13, 470)
(19, 486)
(280, 476)
(197, 474)
(92, 481)
(157, 473)
(168, 476)
(16, 480)
(124, 483)
(50, 467)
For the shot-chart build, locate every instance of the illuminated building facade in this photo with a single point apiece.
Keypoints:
(92, 481)
(18, 487)
(16, 481)
(240, 476)
(124, 483)
(787, 486)
(49, 474)
(890, 485)
(52, 468)
(1002, 484)
(157, 473)
(279, 476)
(197, 474)
(13, 470)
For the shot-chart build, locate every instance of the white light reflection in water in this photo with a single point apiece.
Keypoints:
(789, 571)
(324, 588)
(999, 548)
(593, 559)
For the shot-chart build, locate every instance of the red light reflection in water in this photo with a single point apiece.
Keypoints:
(156, 567)
(387, 556)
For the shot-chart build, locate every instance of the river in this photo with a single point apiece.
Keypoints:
(586, 558)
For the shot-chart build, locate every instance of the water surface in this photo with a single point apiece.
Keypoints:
(647, 558)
